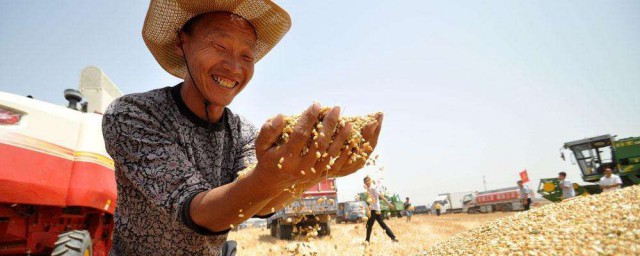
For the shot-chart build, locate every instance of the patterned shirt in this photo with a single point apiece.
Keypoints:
(165, 155)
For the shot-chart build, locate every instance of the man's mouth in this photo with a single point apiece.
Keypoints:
(226, 83)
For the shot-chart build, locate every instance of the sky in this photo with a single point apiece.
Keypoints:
(468, 88)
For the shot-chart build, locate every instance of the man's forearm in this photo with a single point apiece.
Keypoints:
(285, 198)
(216, 211)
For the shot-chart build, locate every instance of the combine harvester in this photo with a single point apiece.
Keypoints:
(593, 155)
(57, 184)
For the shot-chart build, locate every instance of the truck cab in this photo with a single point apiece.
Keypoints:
(351, 211)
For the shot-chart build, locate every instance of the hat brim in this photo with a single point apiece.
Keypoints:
(166, 17)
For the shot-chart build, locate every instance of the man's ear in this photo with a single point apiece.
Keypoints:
(179, 44)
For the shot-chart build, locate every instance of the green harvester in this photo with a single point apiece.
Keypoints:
(593, 155)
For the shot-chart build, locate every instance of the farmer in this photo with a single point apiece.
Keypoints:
(566, 186)
(610, 181)
(407, 210)
(437, 206)
(177, 150)
(525, 195)
(374, 205)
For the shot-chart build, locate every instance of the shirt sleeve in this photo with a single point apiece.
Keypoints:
(148, 158)
(618, 180)
(246, 151)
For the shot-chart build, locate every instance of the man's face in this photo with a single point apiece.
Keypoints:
(560, 177)
(220, 54)
(520, 184)
(367, 182)
(607, 172)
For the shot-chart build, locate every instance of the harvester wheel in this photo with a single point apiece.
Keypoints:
(73, 243)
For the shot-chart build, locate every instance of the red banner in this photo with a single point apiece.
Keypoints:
(524, 177)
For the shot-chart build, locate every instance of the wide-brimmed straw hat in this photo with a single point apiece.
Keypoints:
(166, 17)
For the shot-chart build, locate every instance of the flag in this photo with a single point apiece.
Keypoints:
(524, 177)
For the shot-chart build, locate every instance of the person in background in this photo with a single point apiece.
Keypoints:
(437, 206)
(407, 211)
(525, 193)
(610, 181)
(566, 186)
(374, 205)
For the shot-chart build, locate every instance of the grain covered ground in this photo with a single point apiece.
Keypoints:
(347, 239)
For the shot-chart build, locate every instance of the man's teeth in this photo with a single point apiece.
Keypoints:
(224, 82)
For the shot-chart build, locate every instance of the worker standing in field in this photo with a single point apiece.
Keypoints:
(437, 206)
(525, 195)
(178, 150)
(407, 209)
(566, 186)
(610, 181)
(374, 205)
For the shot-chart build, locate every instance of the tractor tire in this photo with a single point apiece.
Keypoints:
(284, 231)
(325, 230)
(506, 208)
(273, 226)
(229, 248)
(73, 243)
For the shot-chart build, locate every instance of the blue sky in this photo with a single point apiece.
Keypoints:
(468, 88)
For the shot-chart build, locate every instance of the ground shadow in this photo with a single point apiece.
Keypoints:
(267, 238)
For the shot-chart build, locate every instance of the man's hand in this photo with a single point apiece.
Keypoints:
(285, 165)
(370, 134)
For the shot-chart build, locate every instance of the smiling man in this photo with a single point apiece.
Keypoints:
(177, 150)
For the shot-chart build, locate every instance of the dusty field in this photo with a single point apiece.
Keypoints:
(347, 239)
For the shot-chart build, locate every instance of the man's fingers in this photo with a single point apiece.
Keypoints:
(339, 167)
(373, 140)
(269, 133)
(302, 131)
(333, 153)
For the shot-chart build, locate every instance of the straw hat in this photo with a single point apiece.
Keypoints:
(166, 17)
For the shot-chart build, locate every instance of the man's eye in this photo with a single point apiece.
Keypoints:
(247, 58)
(219, 46)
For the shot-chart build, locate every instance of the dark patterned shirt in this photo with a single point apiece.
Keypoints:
(164, 155)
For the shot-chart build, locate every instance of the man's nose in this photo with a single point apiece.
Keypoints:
(232, 65)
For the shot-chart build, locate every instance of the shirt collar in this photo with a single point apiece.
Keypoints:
(186, 112)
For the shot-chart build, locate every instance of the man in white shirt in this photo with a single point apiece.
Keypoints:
(525, 195)
(566, 186)
(610, 182)
(374, 205)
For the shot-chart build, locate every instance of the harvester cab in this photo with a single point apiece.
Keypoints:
(593, 155)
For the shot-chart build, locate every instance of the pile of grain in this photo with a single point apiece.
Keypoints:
(604, 224)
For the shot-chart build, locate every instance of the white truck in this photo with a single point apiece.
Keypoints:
(450, 202)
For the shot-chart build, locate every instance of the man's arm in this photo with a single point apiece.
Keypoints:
(285, 197)
(233, 203)
(387, 201)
